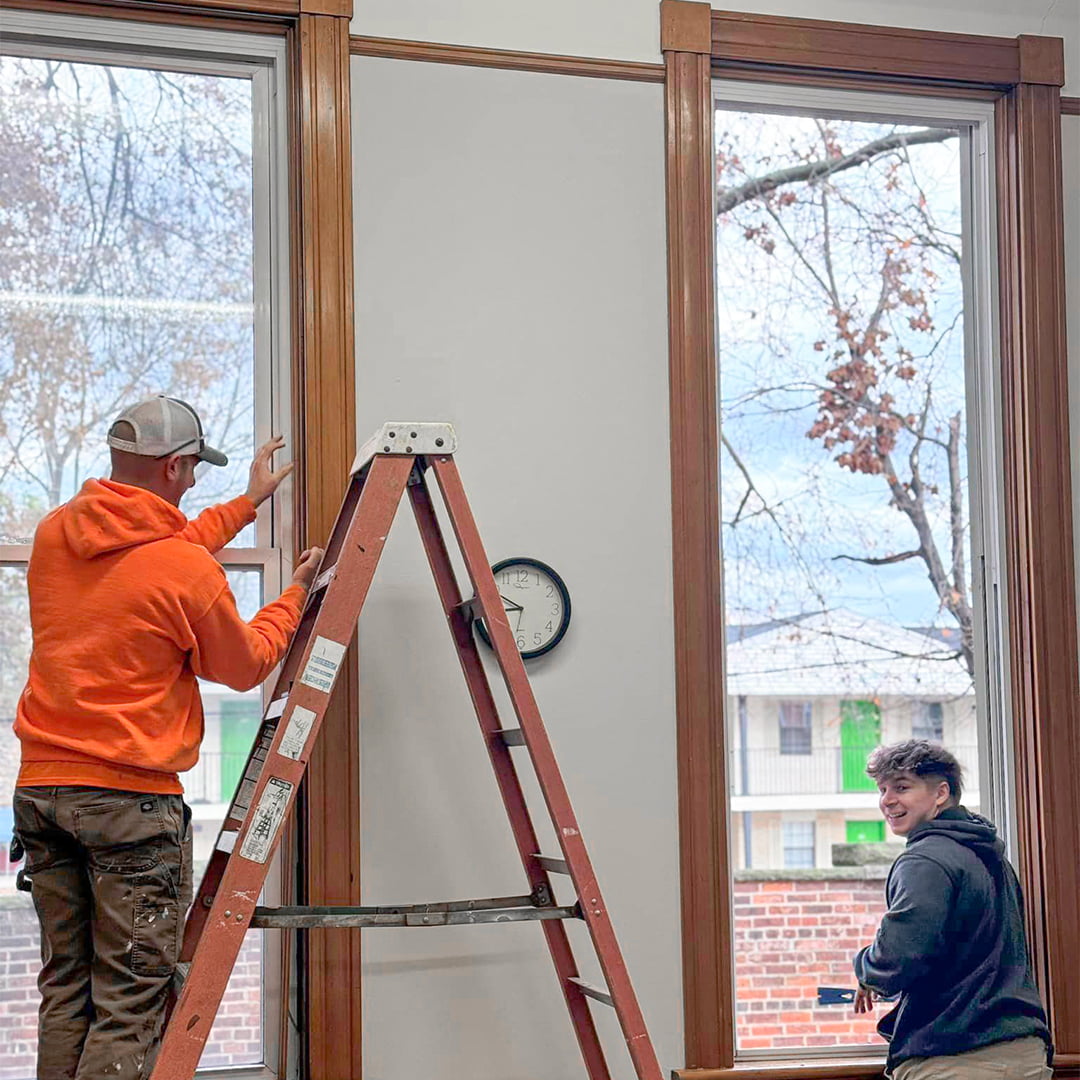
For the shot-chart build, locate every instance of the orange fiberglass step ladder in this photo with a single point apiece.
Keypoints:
(397, 459)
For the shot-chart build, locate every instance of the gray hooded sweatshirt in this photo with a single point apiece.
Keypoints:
(952, 945)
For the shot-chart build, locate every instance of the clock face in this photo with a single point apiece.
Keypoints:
(537, 605)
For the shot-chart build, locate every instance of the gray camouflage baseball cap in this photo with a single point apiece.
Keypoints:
(163, 426)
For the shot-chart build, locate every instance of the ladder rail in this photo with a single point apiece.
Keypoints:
(554, 790)
(509, 784)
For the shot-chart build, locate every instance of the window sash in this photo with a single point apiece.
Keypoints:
(262, 58)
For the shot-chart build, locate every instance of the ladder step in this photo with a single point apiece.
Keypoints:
(512, 737)
(323, 579)
(337, 917)
(552, 866)
(276, 708)
(592, 991)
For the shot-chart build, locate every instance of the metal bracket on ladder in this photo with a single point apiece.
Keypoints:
(394, 463)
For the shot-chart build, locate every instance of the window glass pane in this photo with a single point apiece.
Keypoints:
(125, 270)
(232, 720)
(845, 528)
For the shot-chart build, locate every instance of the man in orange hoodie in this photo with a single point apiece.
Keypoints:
(128, 608)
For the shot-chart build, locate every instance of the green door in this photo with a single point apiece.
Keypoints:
(860, 732)
(239, 724)
(865, 832)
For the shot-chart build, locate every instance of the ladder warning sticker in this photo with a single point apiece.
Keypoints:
(266, 821)
(244, 793)
(323, 663)
(296, 733)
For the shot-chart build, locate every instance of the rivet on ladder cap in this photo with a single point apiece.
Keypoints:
(438, 442)
(228, 914)
(393, 435)
(408, 449)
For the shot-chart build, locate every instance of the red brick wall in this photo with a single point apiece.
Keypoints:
(236, 1038)
(790, 938)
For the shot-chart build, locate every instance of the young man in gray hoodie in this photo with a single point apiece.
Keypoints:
(951, 946)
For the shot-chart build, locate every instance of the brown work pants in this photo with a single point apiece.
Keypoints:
(111, 883)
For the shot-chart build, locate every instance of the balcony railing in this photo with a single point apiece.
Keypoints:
(826, 770)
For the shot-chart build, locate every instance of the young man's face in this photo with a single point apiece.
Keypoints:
(908, 800)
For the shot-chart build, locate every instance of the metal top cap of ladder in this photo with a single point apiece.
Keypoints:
(407, 437)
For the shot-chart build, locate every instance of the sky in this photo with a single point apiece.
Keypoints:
(771, 312)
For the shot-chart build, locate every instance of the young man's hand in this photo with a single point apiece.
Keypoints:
(307, 567)
(865, 998)
(264, 481)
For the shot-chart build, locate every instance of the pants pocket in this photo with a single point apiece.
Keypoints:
(156, 912)
(122, 834)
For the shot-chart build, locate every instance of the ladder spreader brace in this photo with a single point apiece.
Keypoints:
(397, 459)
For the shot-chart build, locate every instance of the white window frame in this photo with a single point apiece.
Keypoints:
(984, 413)
(263, 59)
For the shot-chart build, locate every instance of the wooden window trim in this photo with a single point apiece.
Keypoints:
(324, 413)
(1023, 76)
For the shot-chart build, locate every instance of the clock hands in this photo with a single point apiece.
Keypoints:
(509, 605)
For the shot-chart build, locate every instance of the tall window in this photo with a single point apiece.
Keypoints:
(858, 509)
(141, 251)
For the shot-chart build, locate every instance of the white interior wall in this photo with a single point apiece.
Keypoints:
(511, 277)
(629, 29)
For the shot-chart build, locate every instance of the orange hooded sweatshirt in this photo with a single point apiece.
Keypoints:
(127, 607)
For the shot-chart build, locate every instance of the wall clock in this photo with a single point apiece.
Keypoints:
(537, 605)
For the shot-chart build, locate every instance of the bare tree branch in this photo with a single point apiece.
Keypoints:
(728, 198)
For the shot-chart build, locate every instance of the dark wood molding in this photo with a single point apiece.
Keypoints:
(838, 1069)
(325, 426)
(699, 629)
(685, 26)
(1039, 541)
(1070, 106)
(853, 47)
(506, 59)
(342, 9)
(161, 10)
(1042, 630)
(1042, 60)
(172, 15)
(1064, 1066)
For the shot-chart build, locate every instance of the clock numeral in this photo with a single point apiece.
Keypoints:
(537, 638)
(548, 628)
(554, 609)
(551, 590)
(523, 576)
(521, 642)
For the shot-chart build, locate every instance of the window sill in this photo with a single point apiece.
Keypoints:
(1065, 1065)
(819, 1069)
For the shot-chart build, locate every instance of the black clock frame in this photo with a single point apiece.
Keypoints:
(564, 596)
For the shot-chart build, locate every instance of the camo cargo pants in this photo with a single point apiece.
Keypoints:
(111, 883)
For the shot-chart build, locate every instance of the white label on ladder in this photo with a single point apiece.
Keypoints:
(266, 821)
(323, 663)
(296, 732)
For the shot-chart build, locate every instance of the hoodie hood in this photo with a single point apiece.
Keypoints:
(106, 516)
(965, 828)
